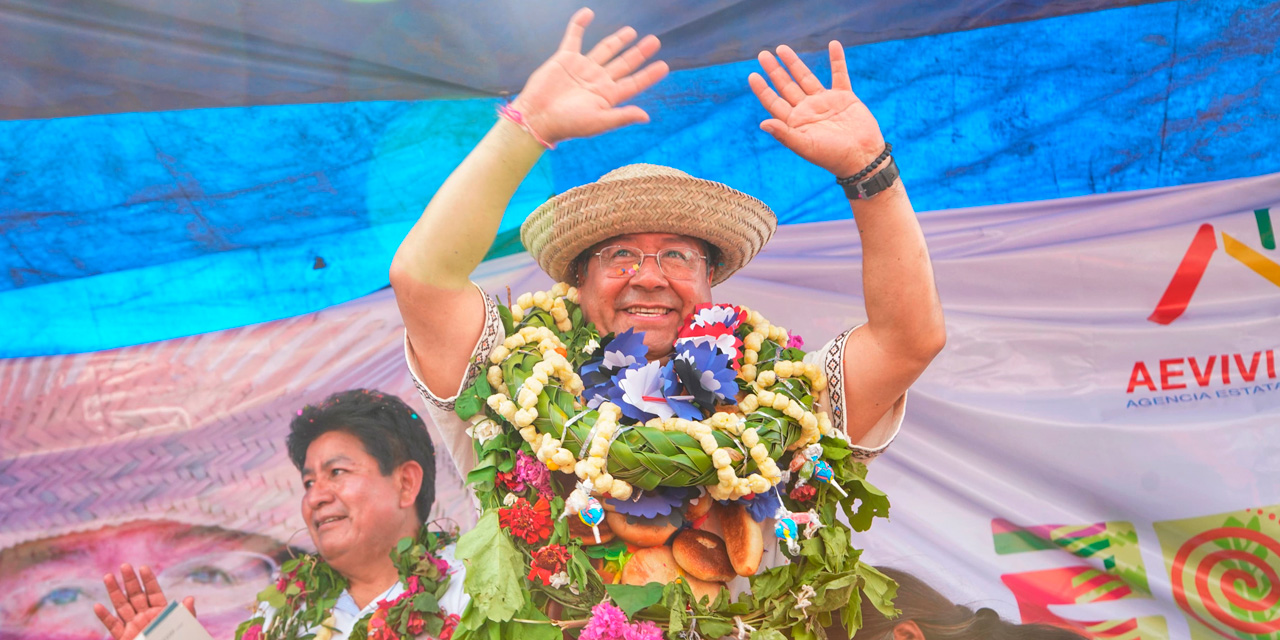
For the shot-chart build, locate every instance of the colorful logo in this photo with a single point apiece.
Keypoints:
(1112, 545)
(1187, 277)
(1224, 573)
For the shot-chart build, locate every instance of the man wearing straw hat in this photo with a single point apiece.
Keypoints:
(601, 236)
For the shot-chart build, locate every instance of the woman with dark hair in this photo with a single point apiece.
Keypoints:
(929, 615)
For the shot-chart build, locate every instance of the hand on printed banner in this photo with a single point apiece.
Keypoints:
(136, 605)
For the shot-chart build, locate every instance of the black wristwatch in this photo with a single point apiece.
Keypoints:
(882, 180)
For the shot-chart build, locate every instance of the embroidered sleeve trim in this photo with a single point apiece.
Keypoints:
(833, 366)
(490, 336)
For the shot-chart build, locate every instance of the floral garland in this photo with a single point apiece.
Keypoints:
(732, 414)
(308, 588)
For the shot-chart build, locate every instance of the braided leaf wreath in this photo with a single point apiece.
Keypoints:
(568, 425)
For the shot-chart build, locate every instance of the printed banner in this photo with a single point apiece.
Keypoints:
(1096, 447)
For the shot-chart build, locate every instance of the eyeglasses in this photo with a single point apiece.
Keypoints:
(226, 581)
(619, 261)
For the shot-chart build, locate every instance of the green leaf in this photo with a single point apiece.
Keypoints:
(482, 477)
(491, 560)
(272, 596)
(851, 616)
(801, 631)
(835, 593)
(469, 402)
(715, 628)
(873, 503)
(837, 543)
(604, 550)
(768, 584)
(833, 454)
(425, 602)
(879, 589)
(771, 634)
(508, 325)
(482, 387)
(432, 625)
(543, 630)
(634, 598)
(676, 598)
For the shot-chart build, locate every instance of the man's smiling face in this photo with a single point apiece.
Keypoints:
(349, 506)
(645, 299)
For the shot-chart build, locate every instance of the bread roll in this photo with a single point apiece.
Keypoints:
(654, 564)
(697, 507)
(742, 537)
(703, 589)
(640, 535)
(702, 555)
(582, 532)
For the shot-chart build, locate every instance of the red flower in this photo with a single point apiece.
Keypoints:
(509, 480)
(529, 523)
(547, 562)
(416, 623)
(283, 581)
(450, 623)
(378, 629)
(803, 493)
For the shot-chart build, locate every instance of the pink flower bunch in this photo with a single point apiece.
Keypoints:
(253, 633)
(795, 342)
(441, 565)
(533, 473)
(610, 623)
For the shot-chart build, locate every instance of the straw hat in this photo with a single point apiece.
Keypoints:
(646, 198)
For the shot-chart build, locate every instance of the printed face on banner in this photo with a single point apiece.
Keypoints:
(48, 587)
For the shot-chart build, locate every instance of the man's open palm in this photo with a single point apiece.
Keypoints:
(136, 605)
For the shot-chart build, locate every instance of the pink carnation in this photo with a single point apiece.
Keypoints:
(795, 342)
(642, 631)
(252, 633)
(607, 623)
(533, 473)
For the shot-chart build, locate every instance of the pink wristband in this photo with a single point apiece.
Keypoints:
(516, 117)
